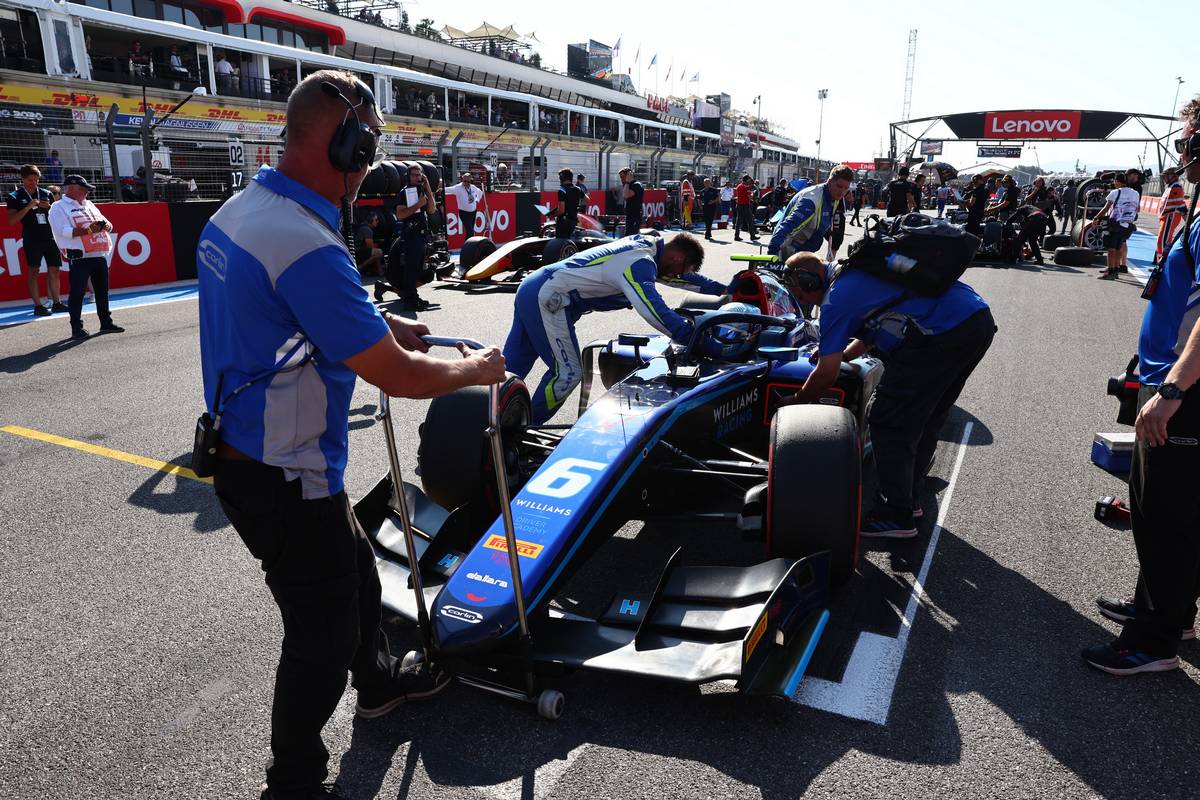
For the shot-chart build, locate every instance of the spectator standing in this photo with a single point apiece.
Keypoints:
(1121, 210)
(726, 199)
(566, 213)
(1007, 200)
(54, 168)
(29, 205)
(688, 194)
(900, 195)
(1166, 460)
(632, 192)
(743, 197)
(367, 254)
(467, 196)
(943, 194)
(179, 71)
(1173, 210)
(82, 233)
(779, 196)
(710, 201)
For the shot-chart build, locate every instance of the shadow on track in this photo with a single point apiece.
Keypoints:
(13, 365)
(180, 496)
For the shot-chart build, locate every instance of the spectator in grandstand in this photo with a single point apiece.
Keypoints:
(1166, 518)
(54, 167)
(1171, 213)
(726, 199)
(29, 205)
(82, 234)
(710, 201)
(176, 66)
(1121, 210)
(900, 195)
(809, 216)
(224, 71)
(632, 193)
(467, 196)
(743, 199)
(566, 213)
(367, 255)
(139, 61)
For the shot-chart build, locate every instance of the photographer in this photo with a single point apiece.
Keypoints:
(1121, 210)
(416, 203)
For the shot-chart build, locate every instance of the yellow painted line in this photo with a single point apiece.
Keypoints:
(97, 450)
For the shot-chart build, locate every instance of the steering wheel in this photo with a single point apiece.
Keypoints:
(704, 321)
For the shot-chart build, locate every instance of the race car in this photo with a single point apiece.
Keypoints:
(507, 512)
(480, 259)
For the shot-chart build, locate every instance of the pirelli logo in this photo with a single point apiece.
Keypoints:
(525, 549)
(760, 628)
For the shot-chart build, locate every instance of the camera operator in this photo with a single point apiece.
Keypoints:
(285, 330)
(1166, 458)
(416, 203)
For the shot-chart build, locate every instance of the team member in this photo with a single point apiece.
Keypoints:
(1042, 197)
(30, 206)
(412, 228)
(808, 216)
(932, 344)
(1121, 209)
(284, 303)
(943, 194)
(860, 197)
(1166, 460)
(688, 193)
(566, 213)
(1173, 210)
(743, 212)
(918, 184)
(468, 196)
(976, 200)
(900, 195)
(1067, 204)
(1007, 200)
(618, 275)
(710, 201)
(81, 232)
(726, 199)
(1033, 227)
(581, 185)
(367, 255)
(632, 192)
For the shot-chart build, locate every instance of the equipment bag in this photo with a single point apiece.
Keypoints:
(919, 253)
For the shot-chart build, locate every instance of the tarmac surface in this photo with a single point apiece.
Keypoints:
(139, 641)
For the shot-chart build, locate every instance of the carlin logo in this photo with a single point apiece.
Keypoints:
(527, 549)
(212, 257)
(462, 615)
(1031, 125)
(733, 414)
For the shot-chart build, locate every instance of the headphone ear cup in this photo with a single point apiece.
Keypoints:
(352, 146)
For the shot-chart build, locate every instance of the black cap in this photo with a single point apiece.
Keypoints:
(77, 180)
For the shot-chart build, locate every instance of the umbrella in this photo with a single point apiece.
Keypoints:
(945, 172)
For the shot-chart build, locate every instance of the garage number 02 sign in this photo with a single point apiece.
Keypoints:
(237, 154)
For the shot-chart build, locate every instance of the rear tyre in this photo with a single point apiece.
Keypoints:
(814, 486)
(455, 458)
(474, 250)
(1073, 256)
(558, 249)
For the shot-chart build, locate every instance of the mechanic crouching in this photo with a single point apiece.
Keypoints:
(622, 274)
(809, 215)
(930, 345)
(285, 329)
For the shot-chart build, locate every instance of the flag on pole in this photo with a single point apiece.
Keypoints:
(617, 46)
(669, 70)
(637, 54)
(695, 78)
(654, 60)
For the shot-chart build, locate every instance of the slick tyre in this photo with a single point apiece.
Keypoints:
(810, 508)
(474, 250)
(455, 457)
(1073, 256)
(1055, 241)
(558, 249)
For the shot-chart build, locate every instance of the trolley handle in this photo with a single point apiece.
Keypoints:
(432, 341)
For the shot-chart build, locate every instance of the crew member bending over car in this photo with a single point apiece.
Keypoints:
(809, 215)
(932, 345)
(622, 274)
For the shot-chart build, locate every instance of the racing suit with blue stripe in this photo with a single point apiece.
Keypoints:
(806, 219)
(552, 299)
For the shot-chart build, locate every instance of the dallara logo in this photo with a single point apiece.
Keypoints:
(526, 549)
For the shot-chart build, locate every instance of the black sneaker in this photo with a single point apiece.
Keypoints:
(326, 791)
(59, 308)
(380, 288)
(890, 526)
(41, 311)
(111, 327)
(1122, 661)
(80, 334)
(1122, 611)
(415, 682)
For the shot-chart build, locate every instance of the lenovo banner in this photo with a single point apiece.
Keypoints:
(495, 217)
(1042, 124)
(144, 252)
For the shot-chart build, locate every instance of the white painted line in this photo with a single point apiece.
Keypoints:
(543, 780)
(869, 682)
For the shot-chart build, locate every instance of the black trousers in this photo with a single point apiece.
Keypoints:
(922, 381)
(95, 269)
(468, 222)
(632, 224)
(1033, 229)
(855, 220)
(564, 227)
(321, 572)
(403, 275)
(1165, 510)
(744, 220)
(710, 213)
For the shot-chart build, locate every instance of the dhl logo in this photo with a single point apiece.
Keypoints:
(527, 549)
(755, 635)
(157, 107)
(74, 100)
(276, 117)
(224, 113)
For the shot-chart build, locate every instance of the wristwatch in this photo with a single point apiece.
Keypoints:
(1169, 391)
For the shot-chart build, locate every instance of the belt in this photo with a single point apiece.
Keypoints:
(228, 451)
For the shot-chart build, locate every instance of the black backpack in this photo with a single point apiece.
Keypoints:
(919, 253)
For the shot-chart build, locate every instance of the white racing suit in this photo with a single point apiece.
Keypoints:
(551, 300)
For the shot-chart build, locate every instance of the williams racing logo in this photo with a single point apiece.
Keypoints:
(734, 413)
(526, 549)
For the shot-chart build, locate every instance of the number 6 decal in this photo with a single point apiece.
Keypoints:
(563, 478)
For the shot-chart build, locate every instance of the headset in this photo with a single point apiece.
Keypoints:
(354, 143)
(803, 280)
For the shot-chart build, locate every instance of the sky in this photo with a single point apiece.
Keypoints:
(971, 56)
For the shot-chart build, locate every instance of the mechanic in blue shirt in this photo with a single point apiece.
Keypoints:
(1166, 459)
(808, 216)
(285, 328)
(621, 274)
(930, 345)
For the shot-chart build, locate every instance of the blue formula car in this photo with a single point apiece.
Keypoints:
(508, 512)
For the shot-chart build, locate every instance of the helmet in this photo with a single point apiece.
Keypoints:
(736, 339)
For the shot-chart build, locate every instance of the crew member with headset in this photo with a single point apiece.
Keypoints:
(566, 213)
(808, 216)
(285, 328)
(416, 203)
(931, 345)
(1166, 457)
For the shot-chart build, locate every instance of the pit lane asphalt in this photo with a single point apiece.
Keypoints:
(139, 641)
